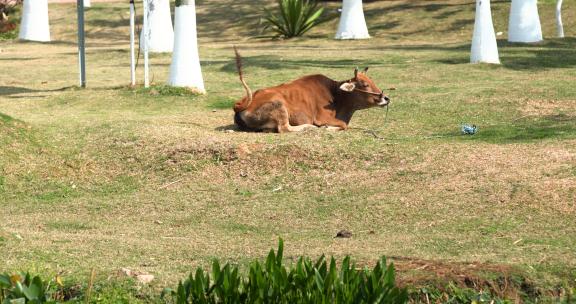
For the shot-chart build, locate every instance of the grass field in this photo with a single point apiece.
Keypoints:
(109, 177)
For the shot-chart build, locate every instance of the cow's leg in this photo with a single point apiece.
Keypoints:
(273, 116)
(331, 123)
(334, 128)
(282, 116)
(300, 128)
(264, 118)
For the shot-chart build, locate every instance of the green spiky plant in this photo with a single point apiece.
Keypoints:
(306, 282)
(294, 18)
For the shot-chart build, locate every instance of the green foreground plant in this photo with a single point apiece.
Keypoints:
(305, 282)
(454, 295)
(294, 18)
(22, 288)
(9, 19)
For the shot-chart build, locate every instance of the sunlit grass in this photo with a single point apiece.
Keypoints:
(111, 176)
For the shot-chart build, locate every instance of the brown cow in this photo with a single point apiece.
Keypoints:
(308, 102)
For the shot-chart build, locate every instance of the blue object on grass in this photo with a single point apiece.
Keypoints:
(469, 129)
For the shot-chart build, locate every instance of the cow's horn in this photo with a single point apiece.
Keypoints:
(356, 72)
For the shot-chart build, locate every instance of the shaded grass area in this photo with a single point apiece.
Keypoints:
(559, 126)
(522, 130)
(151, 179)
(553, 53)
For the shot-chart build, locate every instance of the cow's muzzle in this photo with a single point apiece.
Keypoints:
(384, 100)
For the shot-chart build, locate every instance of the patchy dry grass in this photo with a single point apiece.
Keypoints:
(111, 177)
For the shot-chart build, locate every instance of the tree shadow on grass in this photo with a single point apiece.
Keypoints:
(64, 42)
(557, 126)
(351, 46)
(109, 30)
(554, 53)
(219, 19)
(11, 90)
(426, 7)
(19, 59)
(433, 11)
(385, 26)
(273, 62)
(415, 5)
(5, 118)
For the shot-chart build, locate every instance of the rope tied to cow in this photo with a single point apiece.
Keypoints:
(375, 132)
(371, 131)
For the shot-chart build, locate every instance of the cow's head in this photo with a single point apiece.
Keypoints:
(364, 91)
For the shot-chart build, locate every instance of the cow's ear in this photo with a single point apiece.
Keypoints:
(348, 86)
(365, 70)
(356, 73)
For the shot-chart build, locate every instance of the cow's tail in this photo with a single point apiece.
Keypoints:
(248, 100)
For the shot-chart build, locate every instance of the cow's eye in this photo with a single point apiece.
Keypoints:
(363, 84)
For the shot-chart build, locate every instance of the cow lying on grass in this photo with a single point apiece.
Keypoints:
(308, 102)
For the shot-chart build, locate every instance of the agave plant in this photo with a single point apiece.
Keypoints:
(295, 17)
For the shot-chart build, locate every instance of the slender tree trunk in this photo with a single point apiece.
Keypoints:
(484, 47)
(352, 23)
(524, 23)
(185, 70)
(35, 25)
(160, 31)
(559, 26)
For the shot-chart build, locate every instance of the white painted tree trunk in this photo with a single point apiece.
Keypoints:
(185, 69)
(559, 26)
(524, 25)
(35, 25)
(132, 57)
(86, 3)
(484, 47)
(145, 39)
(352, 23)
(160, 31)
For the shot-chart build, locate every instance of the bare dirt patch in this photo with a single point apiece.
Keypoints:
(502, 280)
